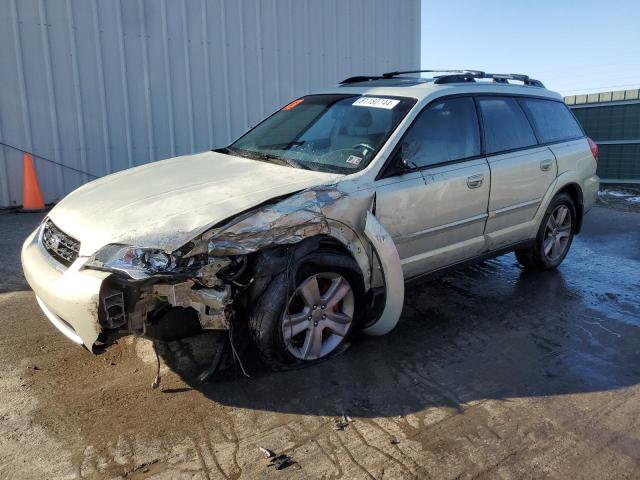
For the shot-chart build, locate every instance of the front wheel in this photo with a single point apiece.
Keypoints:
(554, 237)
(307, 313)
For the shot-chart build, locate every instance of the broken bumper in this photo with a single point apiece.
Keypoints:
(68, 296)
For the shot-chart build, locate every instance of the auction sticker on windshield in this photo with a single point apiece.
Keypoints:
(376, 102)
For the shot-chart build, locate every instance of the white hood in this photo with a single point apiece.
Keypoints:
(166, 204)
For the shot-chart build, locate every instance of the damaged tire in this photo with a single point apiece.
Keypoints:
(308, 312)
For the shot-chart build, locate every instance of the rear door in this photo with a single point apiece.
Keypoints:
(556, 126)
(521, 170)
(435, 209)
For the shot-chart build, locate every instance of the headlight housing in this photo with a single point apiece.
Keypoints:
(138, 263)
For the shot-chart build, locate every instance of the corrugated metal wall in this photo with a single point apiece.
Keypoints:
(612, 120)
(99, 86)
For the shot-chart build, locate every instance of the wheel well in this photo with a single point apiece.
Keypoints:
(575, 192)
(265, 265)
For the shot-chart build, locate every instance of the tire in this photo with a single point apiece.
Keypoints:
(554, 238)
(284, 294)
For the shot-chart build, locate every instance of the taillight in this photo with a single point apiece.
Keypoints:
(594, 148)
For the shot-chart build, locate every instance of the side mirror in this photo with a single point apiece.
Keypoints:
(405, 154)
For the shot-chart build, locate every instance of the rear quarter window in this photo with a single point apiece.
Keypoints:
(553, 122)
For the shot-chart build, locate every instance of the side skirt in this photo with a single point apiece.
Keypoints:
(467, 263)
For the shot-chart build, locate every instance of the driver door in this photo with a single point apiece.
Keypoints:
(434, 199)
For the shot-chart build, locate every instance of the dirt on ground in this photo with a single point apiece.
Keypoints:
(492, 372)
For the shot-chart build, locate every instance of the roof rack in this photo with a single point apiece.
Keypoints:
(387, 75)
(453, 76)
(496, 77)
(360, 78)
(444, 70)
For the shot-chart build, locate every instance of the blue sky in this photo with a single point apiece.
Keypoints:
(573, 47)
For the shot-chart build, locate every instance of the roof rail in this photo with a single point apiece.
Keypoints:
(452, 76)
(361, 78)
(470, 76)
(387, 75)
(445, 70)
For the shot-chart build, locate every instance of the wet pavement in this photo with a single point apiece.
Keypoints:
(492, 372)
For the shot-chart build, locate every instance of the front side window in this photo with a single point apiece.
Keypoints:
(330, 133)
(505, 125)
(446, 130)
(552, 120)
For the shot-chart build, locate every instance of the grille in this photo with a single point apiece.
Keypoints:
(60, 246)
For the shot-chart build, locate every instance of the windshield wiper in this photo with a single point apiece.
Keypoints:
(283, 161)
(266, 157)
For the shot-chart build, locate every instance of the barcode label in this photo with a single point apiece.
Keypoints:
(376, 102)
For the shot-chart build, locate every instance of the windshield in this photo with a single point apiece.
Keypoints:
(329, 133)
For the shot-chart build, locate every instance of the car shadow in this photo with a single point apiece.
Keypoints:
(490, 331)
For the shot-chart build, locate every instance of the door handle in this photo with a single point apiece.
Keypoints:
(475, 181)
(545, 165)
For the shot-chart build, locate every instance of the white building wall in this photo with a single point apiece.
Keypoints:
(102, 85)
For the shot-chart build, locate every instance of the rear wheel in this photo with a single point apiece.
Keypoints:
(306, 314)
(554, 237)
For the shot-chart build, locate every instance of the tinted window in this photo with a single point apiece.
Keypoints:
(552, 120)
(447, 130)
(505, 125)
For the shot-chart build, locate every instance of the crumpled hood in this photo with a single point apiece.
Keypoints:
(167, 203)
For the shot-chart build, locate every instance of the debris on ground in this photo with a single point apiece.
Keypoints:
(281, 462)
(343, 423)
(266, 452)
(394, 441)
(278, 461)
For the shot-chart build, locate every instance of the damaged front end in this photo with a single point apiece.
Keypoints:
(137, 301)
(215, 280)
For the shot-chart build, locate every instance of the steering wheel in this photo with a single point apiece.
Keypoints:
(365, 146)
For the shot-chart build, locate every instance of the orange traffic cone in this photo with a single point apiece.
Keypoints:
(31, 196)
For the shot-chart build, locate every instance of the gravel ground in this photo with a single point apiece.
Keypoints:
(491, 373)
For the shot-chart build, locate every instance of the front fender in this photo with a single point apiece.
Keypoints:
(393, 277)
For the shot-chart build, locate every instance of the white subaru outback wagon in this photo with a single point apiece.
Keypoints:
(306, 228)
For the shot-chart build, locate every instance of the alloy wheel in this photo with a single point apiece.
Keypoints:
(318, 316)
(557, 233)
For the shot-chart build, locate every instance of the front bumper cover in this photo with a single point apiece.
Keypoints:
(69, 297)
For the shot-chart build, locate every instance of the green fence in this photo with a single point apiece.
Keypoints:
(612, 120)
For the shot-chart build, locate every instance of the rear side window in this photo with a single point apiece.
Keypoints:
(446, 130)
(505, 125)
(552, 121)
